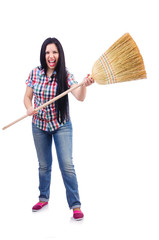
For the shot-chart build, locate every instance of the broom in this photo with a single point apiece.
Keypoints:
(121, 62)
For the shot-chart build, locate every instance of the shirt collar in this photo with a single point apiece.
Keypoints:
(43, 72)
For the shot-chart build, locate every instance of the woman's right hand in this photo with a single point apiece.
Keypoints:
(30, 111)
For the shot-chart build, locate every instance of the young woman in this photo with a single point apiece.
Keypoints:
(53, 122)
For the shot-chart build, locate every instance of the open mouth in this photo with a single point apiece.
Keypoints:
(52, 63)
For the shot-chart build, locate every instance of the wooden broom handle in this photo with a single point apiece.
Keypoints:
(46, 104)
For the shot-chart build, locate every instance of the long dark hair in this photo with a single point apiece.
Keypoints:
(61, 105)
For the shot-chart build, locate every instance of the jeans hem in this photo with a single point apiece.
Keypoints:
(76, 206)
(43, 199)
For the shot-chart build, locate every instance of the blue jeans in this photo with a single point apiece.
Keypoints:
(63, 143)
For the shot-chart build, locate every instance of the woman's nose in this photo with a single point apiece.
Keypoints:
(51, 55)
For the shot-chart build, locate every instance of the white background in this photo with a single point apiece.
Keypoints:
(116, 129)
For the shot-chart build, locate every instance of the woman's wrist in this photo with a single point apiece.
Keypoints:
(30, 111)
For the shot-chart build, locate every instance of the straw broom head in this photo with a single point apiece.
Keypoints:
(121, 62)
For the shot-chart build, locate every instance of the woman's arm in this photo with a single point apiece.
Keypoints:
(28, 101)
(80, 93)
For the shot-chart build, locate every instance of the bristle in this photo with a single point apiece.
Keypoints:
(121, 62)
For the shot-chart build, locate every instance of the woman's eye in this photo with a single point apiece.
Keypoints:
(55, 52)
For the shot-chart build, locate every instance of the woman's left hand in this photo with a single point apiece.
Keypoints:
(88, 80)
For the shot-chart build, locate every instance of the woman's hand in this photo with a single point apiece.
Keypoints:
(80, 93)
(30, 111)
(88, 80)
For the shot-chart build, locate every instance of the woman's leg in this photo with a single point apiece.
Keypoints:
(63, 144)
(43, 145)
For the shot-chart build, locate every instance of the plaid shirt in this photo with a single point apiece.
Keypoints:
(44, 89)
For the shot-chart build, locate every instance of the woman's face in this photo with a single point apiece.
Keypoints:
(51, 56)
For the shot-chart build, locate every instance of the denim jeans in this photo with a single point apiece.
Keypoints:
(63, 143)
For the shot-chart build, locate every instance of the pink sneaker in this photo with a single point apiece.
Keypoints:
(78, 215)
(39, 206)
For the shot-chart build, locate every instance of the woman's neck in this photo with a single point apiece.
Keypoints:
(49, 72)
